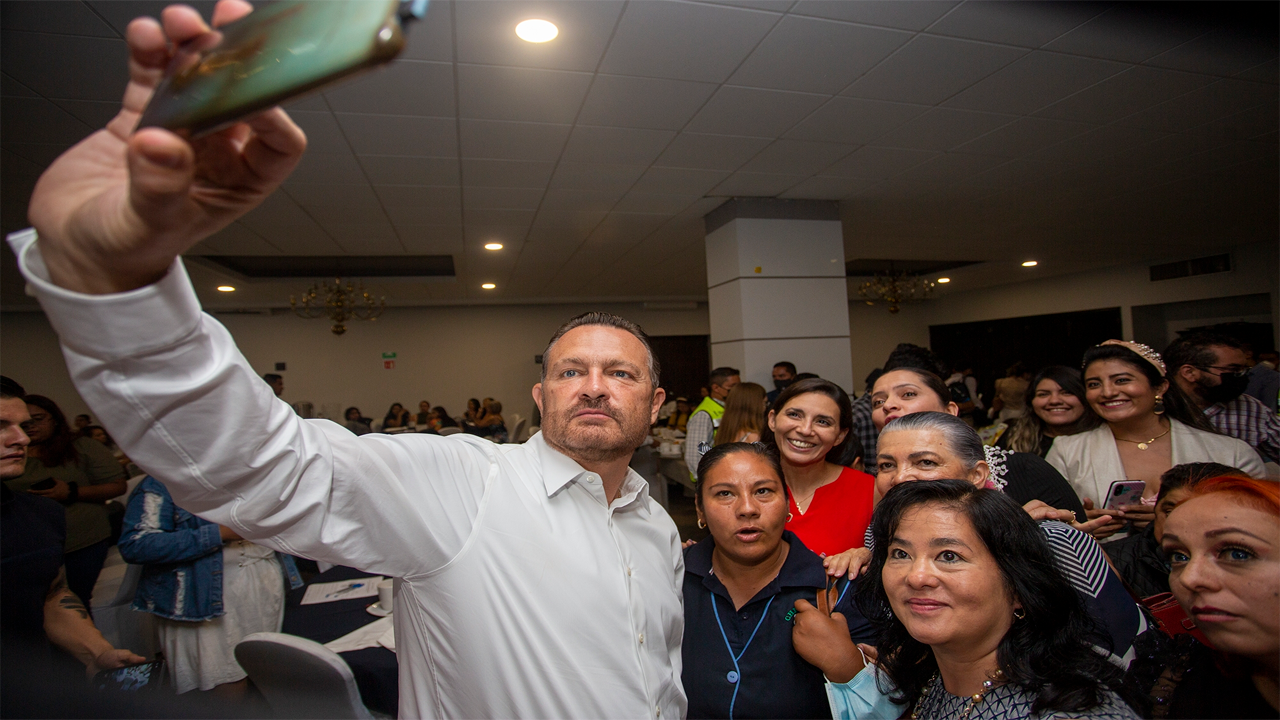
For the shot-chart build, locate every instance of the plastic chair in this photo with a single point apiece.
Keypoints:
(120, 624)
(450, 430)
(517, 433)
(300, 678)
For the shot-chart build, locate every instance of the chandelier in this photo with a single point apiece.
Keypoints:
(894, 288)
(339, 303)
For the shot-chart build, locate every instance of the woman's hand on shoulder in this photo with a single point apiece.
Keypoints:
(853, 561)
(1039, 510)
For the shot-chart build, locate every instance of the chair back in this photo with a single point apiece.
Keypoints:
(300, 678)
(116, 619)
(517, 433)
(450, 430)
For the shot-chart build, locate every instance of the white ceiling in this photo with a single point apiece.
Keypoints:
(1081, 134)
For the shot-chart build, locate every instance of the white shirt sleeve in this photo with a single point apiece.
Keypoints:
(175, 393)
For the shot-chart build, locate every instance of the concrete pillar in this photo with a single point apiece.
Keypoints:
(776, 288)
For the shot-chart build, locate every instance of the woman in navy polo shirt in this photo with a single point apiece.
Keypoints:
(746, 588)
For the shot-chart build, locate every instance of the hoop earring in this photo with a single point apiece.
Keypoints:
(788, 517)
(1019, 614)
(1159, 406)
(702, 525)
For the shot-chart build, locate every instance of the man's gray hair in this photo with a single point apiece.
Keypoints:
(607, 320)
(962, 440)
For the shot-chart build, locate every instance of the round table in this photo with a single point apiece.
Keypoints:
(376, 670)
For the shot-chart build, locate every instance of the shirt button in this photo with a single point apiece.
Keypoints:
(732, 676)
(628, 572)
(641, 638)
(658, 713)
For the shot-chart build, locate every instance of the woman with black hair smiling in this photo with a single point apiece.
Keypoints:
(974, 619)
(1055, 406)
(743, 588)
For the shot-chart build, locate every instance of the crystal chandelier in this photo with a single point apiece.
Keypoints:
(339, 303)
(894, 288)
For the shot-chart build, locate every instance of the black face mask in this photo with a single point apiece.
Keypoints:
(782, 384)
(1230, 386)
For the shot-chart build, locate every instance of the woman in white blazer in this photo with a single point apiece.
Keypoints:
(1150, 426)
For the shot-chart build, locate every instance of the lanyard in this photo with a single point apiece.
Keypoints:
(736, 675)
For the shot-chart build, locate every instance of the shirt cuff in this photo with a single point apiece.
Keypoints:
(115, 325)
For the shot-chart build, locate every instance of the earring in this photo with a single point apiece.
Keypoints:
(788, 517)
(1159, 406)
(1019, 613)
(702, 524)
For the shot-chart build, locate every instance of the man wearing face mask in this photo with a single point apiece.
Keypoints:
(784, 373)
(1213, 370)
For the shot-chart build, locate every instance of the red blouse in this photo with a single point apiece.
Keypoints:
(838, 515)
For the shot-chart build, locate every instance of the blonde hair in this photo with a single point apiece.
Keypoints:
(743, 413)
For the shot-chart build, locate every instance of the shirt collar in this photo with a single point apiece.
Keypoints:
(802, 568)
(558, 470)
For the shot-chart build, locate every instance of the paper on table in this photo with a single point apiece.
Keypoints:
(368, 636)
(342, 590)
(388, 638)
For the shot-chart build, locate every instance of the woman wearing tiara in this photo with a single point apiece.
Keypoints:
(1149, 426)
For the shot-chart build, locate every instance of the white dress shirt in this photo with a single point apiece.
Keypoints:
(521, 591)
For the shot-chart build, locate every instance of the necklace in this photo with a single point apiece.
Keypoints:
(974, 701)
(1144, 444)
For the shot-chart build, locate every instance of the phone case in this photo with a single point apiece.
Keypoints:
(275, 53)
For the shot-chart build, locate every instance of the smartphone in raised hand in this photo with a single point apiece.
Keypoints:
(1124, 492)
(278, 52)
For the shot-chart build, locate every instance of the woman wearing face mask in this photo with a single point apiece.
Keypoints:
(809, 429)
(745, 588)
(1023, 476)
(1224, 546)
(1149, 426)
(973, 619)
(1055, 398)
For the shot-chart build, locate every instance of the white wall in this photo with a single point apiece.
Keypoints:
(444, 355)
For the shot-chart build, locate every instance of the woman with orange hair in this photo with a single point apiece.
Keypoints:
(1223, 544)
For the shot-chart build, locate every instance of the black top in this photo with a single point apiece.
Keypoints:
(32, 532)
(1140, 562)
(771, 679)
(1202, 689)
(1028, 477)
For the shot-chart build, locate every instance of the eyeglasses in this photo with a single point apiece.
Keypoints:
(1234, 370)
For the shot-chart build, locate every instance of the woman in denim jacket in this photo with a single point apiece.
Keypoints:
(207, 587)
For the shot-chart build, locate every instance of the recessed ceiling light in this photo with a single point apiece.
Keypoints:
(1030, 263)
(944, 280)
(537, 31)
(493, 246)
(226, 288)
(488, 286)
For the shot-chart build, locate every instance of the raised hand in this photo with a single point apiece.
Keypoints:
(853, 561)
(1101, 522)
(115, 210)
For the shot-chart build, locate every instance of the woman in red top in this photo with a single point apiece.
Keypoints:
(830, 503)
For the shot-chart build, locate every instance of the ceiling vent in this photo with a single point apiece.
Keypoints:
(332, 266)
(1187, 268)
(914, 268)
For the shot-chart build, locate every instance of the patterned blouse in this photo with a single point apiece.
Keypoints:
(1010, 702)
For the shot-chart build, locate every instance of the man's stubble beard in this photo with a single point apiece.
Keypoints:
(594, 445)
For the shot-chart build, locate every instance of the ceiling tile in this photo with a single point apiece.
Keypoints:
(400, 135)
(94, 113)
(506, 173)
(323, 133)
(854, 121)
(512, 141)
(336, 198)
(616, 145)
(119, 13)
(1023, 136)
(796, 157)
(503, 198)
(39, 154)
(931, 69)
(564, 200)
(1024, 24)
(949, 168)
(754, 112)
(431, 239)
(490, 217)
(419, 196)
(1037, 80)
(709, 152)
(742, 184)
(415, 215)
(35, 120)
(812, 55)
(405, 87)
(305, 238)
(560, 222)
(684, 41)
(67, 67)
(654, 103)
(486, 33)
(277, 209)
(823, 187)
(1096, 146)
(679, 181)
(885, 13)
(1267, 72)
(878, 163)
(1251, 124)
(431, 38)
(63, 18)
(942, 129)
(12, 88)
(1225, 51)
(594, 176)
(525, 94)
(1195, 109)
(312, 102)
(1131, 32)
(654, 203)
(399, 170)
(316, 167)
(236, 239)
(1121, 95)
